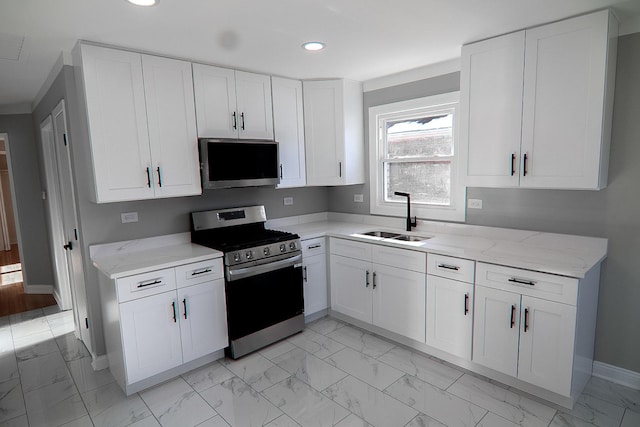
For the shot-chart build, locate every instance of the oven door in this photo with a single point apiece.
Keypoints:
(263, 295)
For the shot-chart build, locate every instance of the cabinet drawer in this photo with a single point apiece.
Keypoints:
(540, 285)
(400, 258)
(450, 267)
(351, 249)
(313, 246)
(146, 284)
(198, 272)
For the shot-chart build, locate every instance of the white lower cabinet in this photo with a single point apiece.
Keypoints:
(157, 322)
(380, 285)
(314, 271)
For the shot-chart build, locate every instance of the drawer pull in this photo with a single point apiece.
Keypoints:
(175, 317)
(314, 246)
(304, 273)
(195, 273)
(526, 319)
(143, 285)
(374, 280)
(449, 267)
(513, 316)
(466, 303)
(366, 282)
(184, 302)
(522, 282)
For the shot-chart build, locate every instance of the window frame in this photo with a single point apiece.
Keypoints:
(456, 211)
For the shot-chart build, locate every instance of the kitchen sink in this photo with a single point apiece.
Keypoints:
(383, 234)
(408, 238)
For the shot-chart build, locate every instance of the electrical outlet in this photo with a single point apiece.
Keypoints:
(288, 201)
(358, 198)
(129, 217)
(474, 204)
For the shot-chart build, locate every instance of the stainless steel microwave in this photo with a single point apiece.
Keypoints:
(229, 163)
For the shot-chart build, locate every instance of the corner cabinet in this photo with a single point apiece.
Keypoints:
(141, 124)
(333, 125)
(232, 104)
(536, 106)
(288, 130)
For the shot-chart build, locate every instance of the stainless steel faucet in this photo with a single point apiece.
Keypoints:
(411, 222)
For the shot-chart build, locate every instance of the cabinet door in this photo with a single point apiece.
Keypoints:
(449, 315)
(491, 110)
(215, 94)
(315, 283)
(399, 301)
(117, 121)
(564, 93)
(203, 319)
(547, 331)
(150, 335)
(495, 331)
(255, 116)
(288, 129)
(324, 131)
(171, 116)
(351, 287)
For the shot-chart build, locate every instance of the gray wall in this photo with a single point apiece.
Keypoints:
(613, 213)
(23, 150)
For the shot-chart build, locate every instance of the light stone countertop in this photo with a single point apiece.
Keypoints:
(560, 254)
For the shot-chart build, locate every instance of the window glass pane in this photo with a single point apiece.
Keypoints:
(427, 182)
(427, 136)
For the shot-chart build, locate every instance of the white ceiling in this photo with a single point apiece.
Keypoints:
(366, 39)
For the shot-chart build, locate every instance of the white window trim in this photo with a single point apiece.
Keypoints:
(457, 211)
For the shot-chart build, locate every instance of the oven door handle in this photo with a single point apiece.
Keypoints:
(241, 273)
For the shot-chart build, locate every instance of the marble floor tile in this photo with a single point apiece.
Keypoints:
(42, 371)
(35, 345)
(84, 421)
(216, 421)
(28, 327)
(4, 322)
(256, 370)
(422, 420)
(52, 309)
(85, 377)
(630, 419)
(20, 421)
(109, 407)
(239, 404)
(305, 405)
(436, 403)
(207, 376)
(361, 341)
(613, 393)
(11, 400)
(71, 347)
(596, 411)
(315, 343)
(8, 367)
(25, 316)
(54, 405)
(365, 368)
(310, 369)
(565, 420)
(423, 367)
(503, 402)
(6, 340)
(353, 421)
(176, 404)
(277, 349)
(150, 421)
(61, 323)
(492, 420)
(325, 325)
(283, 421)
(370, 404)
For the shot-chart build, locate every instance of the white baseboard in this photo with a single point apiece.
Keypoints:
(616, 375)
(99, 363)
(38, 289)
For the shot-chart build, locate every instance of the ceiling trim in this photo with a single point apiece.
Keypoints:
(63, 59)
(421, 73)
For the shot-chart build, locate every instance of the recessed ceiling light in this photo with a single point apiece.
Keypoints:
(144, 2)
(313, 46)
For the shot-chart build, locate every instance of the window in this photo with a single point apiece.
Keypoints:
(413, 149)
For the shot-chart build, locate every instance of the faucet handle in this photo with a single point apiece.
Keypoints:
(414, 221)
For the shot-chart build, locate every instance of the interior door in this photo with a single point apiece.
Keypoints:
(70, 223)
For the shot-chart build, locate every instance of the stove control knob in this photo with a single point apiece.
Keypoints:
(283, 247)
(292, 245)
(266, 251)
(236, 257)
(249, 255)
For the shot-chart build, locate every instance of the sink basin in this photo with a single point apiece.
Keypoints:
(407, 238)
(383, 234)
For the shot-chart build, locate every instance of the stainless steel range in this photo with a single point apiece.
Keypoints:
(263, 275)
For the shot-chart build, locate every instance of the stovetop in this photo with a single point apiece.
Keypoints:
(239, 237)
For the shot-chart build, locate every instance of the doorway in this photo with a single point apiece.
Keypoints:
(13, 298)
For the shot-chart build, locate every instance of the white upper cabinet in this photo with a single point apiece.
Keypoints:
(141, 124)
(232, 104)
(288, 129)
(537, 106)
(333, 125)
